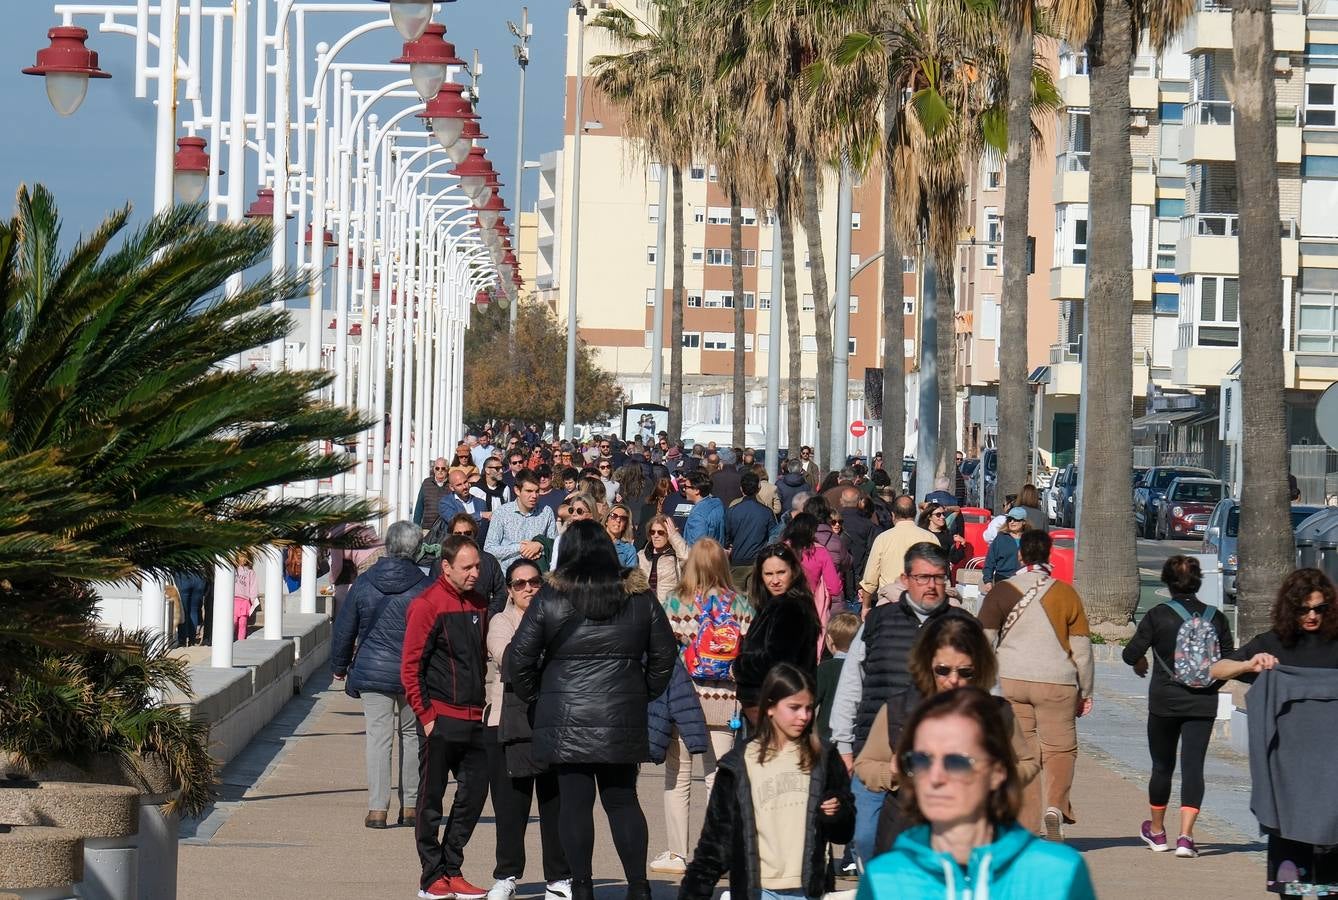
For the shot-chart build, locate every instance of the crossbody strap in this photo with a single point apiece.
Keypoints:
(1020, 607)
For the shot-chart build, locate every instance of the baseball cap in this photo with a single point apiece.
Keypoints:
(1017, 512)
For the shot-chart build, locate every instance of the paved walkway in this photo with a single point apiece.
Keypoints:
(289, 823)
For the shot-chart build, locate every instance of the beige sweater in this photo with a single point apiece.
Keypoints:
(780, 809)
(1050, 642)
(501, 630)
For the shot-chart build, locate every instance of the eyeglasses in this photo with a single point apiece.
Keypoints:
(957, 765)
(468, 532)
(966, 673)
(604, 467)
(438, 468)
(619, 516)
(1318, 609)
(536, 581)
(926, 580)
(658, 532)
(497, 468)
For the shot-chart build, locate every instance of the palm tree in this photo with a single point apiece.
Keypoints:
(657, 82)
(1263, 496)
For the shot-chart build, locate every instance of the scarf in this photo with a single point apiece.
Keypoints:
(1042, 568)
(653, 557)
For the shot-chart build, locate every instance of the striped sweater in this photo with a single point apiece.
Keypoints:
(717, 697)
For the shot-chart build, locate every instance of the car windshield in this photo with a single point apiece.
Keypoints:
(1298, 515)
(969, 467)
(1198, 492)
(1166, 476)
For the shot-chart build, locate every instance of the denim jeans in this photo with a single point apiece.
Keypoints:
(191, 588)
(868, 805)
(789, 894)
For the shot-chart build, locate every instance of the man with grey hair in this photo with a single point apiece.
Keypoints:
(791, 482)
(365, 655)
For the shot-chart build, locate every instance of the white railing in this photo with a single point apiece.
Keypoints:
(1210, 225)
(1209, 112)
(1075, 161)
(1065, 352)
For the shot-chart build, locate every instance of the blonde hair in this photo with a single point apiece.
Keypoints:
(841, 629)
(629, 527)
(707, 567)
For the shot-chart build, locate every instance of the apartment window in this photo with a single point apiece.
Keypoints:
(698, 214)
(993, 179)
(1320, 109)
(1315, 325)
(808, 344)
(764, 342)
(697, 172)
(1209, 311)
(653, 212)
(807, 262)
(854, 221)
(719, 300)
(854, 261)
(854, 303)
(698, 254)
(908, 264)
(764, 301)
(717, 256)
(769, 218)
(989, 318)
(650, 296)
(717, 340)
(694, 300)
(1170, 208)
(993, 234)
(852, 347)
(1171, 112)
(1168, 231)
(717, 215)
(692, 340)
(807, 305)
(649, 335)
(653, 171)
(908, 306)
(747, 343)
(650, 255)
(749, 300)
(908, 348)
(1071, 234)
(748, 216)
(749, 258)
(714, 176)
(766, 259)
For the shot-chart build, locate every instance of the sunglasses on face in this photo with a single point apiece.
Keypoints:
(958, 765)
(438, 468)
(534, 582)
(658, 532)
(493, 468)
(618, 516)
(966, 673)
(1319, 609)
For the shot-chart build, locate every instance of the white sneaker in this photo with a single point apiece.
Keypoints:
(558, 890)
(669, 864)
(1053, 822)
(503, 889)
(724, 895)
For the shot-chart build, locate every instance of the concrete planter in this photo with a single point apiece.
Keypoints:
(40, 862)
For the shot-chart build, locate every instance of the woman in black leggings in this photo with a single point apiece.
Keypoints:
(1177, 714)
(592, 651)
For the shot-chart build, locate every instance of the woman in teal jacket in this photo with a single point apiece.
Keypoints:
(959, 781)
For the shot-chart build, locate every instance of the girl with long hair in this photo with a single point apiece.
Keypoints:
(618, 525)
(819, 569)
(785, 627)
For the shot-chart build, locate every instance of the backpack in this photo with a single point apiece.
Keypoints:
(710, 655)
(1196, 648)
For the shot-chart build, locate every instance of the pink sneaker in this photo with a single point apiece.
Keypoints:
(1155, 842)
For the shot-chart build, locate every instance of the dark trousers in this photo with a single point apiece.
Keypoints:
(511, 799)
(191, 588)
(617, 791)
(1192, 736)
(455, 747)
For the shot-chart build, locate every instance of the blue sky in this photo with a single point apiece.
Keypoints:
(102, 156)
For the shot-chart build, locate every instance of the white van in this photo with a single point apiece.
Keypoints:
(723, 435)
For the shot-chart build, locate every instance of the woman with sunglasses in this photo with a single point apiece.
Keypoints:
(1304, 635)
(662, 558)
(576, 508)
(961, 791)
(513, 777)
(618, 524)
(785, 626)
(1178, 715)
(950, 651)
(463, 461)
(934, 519)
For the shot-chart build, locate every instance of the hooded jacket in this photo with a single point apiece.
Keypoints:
(591, 679)
(728, 842)
(790, 484)
(1017, 866)
(392, 583)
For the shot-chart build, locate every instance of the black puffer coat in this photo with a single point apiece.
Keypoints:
(728, 843)
(784, 630)
(391, 582)
(591, 680)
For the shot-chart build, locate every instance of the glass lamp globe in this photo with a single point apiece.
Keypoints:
(459, 151)
(447, 129)
(473, 186)
(66, 91)
(427, 78)
(488, 218)
(410, 17)
(189, 186)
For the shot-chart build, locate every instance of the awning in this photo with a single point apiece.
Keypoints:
(1202, 418)
(1039, 375)
(1161, 422)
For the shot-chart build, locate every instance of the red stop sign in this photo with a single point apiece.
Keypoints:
(858, 428)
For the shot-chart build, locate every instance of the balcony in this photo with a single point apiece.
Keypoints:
(1075, 90)
(1071, 168)
(1066, 369)
(1208, 245)
(1208, 134)
(1068, 282)
(1202, 366)
(1145, 180)
(1209, 28)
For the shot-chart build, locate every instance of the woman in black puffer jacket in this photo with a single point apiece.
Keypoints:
(593, 650)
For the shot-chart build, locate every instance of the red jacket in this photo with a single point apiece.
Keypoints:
(445, 658)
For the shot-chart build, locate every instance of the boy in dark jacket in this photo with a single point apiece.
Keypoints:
(841, 631)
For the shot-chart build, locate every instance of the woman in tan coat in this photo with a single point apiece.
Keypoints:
(951, 651)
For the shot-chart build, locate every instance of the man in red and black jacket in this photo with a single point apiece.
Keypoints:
(443, 669)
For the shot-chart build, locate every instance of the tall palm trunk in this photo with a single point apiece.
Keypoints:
(676, 316)
(822, 311)
(894, 328)
(795, 392)
(1013, 338)
(947, 374)
(1263, 496)
(1107, 567)
(740, 411)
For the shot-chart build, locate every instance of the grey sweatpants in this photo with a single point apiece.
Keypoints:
(384, 712)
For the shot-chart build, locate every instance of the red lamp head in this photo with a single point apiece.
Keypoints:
(473, 173)
(482, 298)
(470, 135)
(447, 113)
(328, 238)
(428, 59)
(190, 168)
(491, 211)
(67, 65)
(263, 207)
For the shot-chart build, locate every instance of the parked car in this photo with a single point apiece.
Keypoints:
(1151, 490)
(1220, 537)
(980, 485)
(1186, 508)
(1062, 488)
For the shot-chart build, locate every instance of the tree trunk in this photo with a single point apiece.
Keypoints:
(894, 329)
(1013, 400)
(676, 316)
(822, 314)
(795, 392)
(1263, 495)
(947, 376)
(740, 412)
(1107, 565)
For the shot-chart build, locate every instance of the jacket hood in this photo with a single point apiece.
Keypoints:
(986, 861)
(793, 479)
(634, 581)
(393, 575)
